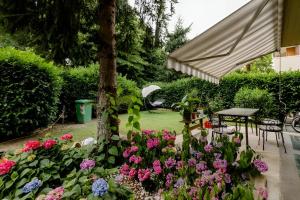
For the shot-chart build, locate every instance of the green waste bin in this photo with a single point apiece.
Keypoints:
(83, 110)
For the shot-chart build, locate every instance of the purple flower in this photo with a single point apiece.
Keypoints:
(201, 166)
(87, 164)
(170, 163)
(192, 162)
(220, 165)
(179, 183)
(169, 180)
(260, 165)
(208, 148)
(180, 164)
(217, 155)
(227, 178)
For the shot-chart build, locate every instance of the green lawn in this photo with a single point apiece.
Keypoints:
(157, 119)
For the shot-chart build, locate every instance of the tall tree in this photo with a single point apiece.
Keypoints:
(107, 91)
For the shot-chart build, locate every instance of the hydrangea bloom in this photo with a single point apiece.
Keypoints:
(180, 165)
(192, 162)
(168, 136)
(119, 178)
(135, 159)
(152, 143)
(132, 172)
(134, 149)
(88, 141)
(179, 183)
(32, 185)
(5, 166)
(87, 164)
(263, 193)
(48, 144)
(170, 162)
(169, 179)
(31, 145)
(220, 165)
(124, 170)
(208, 148)
(144, 174)
(148, 132)
(99, 187)
(193, 192)
(157, 167)
(55, 194)
(201, 166)
(67, 136)
(260, 165)
(126, 153)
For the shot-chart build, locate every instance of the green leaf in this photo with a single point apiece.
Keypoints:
(25, 171)
(14, 175)
(111, 159)
(113, 151)
(45, 177)
(100, 157)
(115, 137)
(34, 163)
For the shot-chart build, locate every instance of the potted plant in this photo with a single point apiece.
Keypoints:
(187, 105)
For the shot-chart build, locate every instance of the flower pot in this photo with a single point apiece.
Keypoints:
(187, 115)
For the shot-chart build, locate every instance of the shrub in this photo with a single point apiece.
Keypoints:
(255, 98)
(29, 91)
(82, 83)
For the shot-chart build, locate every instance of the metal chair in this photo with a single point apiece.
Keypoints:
(271, 125)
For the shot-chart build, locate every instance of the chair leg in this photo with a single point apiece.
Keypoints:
(283, 142)
(278, 135)
(266, 136)
(276, 139)
(263, 134)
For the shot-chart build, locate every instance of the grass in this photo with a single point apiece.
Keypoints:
(157, 119)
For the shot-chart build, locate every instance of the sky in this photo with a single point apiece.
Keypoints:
(202, 14)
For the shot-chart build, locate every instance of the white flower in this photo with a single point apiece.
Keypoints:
(88, 141)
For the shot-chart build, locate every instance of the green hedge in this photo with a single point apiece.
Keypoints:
(29, 91)
(82, 83)
(290, 85)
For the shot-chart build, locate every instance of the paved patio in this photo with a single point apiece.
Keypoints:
(282, 178)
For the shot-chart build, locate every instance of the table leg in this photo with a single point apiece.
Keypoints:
(246, 127)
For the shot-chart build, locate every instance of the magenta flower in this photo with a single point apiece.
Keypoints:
(87, 164)
(169, 180)
(135, 159)
(152, 143)
(134, 149)
(144, 174)
(192, 162)
(167, 136)
(124, 170)
(148, 132)
(220, 165)
(126, 153)
(180, 165)
(201, 166)
(157, 167)
(48, 144)
(132, 172)
(260, 165)
(170, 163)
(208, 148)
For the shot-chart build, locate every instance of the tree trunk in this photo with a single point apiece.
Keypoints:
(107, 90)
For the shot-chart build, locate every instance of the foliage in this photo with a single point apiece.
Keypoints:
(29, 92)
(82, 83)
(255, 98)
(178, 37)
(188, 104)
(262, 64)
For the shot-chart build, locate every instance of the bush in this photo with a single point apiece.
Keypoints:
(82, 83)
(29, 91)
(256, 98)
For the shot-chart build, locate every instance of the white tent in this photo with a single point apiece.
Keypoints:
(256, 29)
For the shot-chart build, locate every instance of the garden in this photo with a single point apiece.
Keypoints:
(53, 53)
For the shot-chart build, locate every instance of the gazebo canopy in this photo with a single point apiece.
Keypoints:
(258, 28)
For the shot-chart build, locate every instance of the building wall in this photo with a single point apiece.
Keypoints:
(289, 60)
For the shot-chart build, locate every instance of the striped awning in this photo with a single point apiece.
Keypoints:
(252, 31)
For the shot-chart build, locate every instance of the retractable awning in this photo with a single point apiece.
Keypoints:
(258, 28)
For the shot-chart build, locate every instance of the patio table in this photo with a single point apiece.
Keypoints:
(244, 113)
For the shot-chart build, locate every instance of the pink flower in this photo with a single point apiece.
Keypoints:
(124, 170)
(134, 149)
(169, 179)
(48, 144)
(237, 140)
(180, 165)
(31, 145)
(170, 163)
(167, 136)
(126, 153)
(132, 172)
(148, 132)
(144, 174)
(135, 159)
(220, 165)
(208, 148)
(157, 167)
(67, 136)
(5, 166)
(263, 193)
(192, 162)
(152, 143)
(201, 166)
(55, 194)
(260, 165)
(87, 164)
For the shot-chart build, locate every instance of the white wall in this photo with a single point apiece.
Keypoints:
(287, 63)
